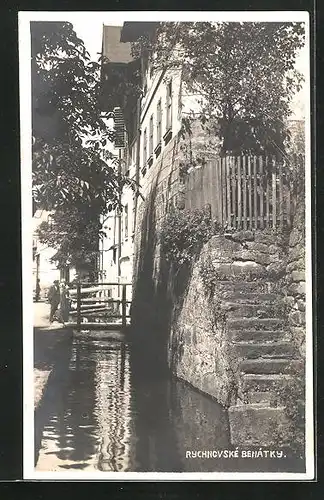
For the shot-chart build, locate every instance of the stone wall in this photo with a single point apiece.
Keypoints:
(295, 279)
(200, 348)
(176, 325)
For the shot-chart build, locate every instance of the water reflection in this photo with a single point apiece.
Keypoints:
(113, 411)
(109, 417)
(106, 418)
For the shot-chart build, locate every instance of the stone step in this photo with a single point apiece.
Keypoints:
(255, 323)
(254, 382)
(253, 425)
(254, 397)
(242, 297)
(259, 335)
(259, 286)
(244, 310)
(255, 404)
(254, 350)
(268, 366)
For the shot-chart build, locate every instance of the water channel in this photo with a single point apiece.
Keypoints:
(98, 416)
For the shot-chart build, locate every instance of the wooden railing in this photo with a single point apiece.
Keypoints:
(244, 192)
(106, 303)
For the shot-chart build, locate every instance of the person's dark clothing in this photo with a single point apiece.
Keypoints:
(54, 300)
(38, 290)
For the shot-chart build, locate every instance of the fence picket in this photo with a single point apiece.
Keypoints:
(244, 192)
(188, 193)
(195, 188)
(214, 199)
(255, 192)
(220, 191)
(228, 190)
(250, 192)
(261, 192)
(201, 176)
(281, 208)
(274, 194)
(224, 201)
(267, 194)
(206, 185)
(288, 198)
(234, 191)
(239, 193)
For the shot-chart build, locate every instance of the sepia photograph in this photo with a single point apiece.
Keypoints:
(166, 231)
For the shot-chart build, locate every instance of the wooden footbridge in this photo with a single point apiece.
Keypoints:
(100, 306)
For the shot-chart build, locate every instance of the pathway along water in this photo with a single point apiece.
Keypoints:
(96, 416)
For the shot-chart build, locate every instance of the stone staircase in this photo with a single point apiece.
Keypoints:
(260, 341)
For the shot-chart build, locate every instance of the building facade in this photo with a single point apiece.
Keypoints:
(44, 268)
(116, 247)
(154, 143)
(159, 145)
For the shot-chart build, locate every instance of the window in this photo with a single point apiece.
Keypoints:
(133, 153)
(126, 220)
(169, 106)
(134, 219)
(159, 122)
(151, 137)
(144, 148)
(122, 228)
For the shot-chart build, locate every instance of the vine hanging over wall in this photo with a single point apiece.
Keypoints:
(184, 232)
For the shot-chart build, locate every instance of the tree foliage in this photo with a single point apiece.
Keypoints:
(75, 234)
(183, 232)
(243, 72)
(74, 173)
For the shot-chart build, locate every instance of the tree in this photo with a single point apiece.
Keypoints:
(75, 235)
(74, 173)
(243, 72)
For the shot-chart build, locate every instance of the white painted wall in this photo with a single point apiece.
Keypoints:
(157, 89)
(48, 271)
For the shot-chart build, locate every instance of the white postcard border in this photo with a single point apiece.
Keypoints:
(29, 471)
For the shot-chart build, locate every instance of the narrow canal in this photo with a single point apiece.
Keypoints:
(97, 416)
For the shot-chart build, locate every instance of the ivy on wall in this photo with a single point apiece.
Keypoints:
(184, 232)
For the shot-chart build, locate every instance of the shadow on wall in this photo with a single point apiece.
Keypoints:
(159, 287)
(157, 298)
(150, 316)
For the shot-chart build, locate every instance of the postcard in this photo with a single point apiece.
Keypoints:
(167, 259)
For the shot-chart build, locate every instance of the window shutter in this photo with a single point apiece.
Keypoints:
(119, 128)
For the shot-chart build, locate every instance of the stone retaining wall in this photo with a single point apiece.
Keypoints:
(181, 326)
(200, 348)
(295, 279)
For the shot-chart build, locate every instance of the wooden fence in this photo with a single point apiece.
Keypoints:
(244, 192)
(89, 301)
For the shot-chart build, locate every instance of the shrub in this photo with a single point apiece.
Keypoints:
(184, 232)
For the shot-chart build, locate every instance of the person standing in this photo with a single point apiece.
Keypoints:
(38, 290)
(53, 297)
(64, 302)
